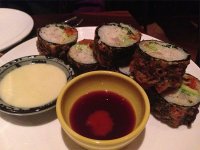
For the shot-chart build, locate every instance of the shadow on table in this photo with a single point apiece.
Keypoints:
(71, 145)
(32, 120)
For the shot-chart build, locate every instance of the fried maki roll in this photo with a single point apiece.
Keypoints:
(56, 39)
(81, 57)
(177, 107)
(115, 44)
(159, 64)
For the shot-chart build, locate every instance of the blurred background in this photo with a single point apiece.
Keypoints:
(168, 20)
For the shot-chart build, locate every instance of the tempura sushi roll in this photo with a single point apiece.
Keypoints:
(81, 57)
(177, 107)
(56, 39)
(159, 64)
(115, 43)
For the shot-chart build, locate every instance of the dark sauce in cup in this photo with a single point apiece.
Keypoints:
(102, 115)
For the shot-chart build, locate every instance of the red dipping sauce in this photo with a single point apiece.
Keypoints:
(102, 115)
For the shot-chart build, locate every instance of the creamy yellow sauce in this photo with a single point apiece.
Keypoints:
(32, 85)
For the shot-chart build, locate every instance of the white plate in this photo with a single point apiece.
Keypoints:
(44, 131)
(15, 25)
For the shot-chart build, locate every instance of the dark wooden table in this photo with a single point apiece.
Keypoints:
(90, 19)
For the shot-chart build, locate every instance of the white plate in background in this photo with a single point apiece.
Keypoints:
(43, 132)
(14, 26)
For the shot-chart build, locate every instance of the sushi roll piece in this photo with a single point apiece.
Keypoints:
(159, 64)
(177, 107)
(56, 39)
(115, 44)
(81, 57)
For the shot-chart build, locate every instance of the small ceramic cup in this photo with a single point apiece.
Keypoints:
(103, 81)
